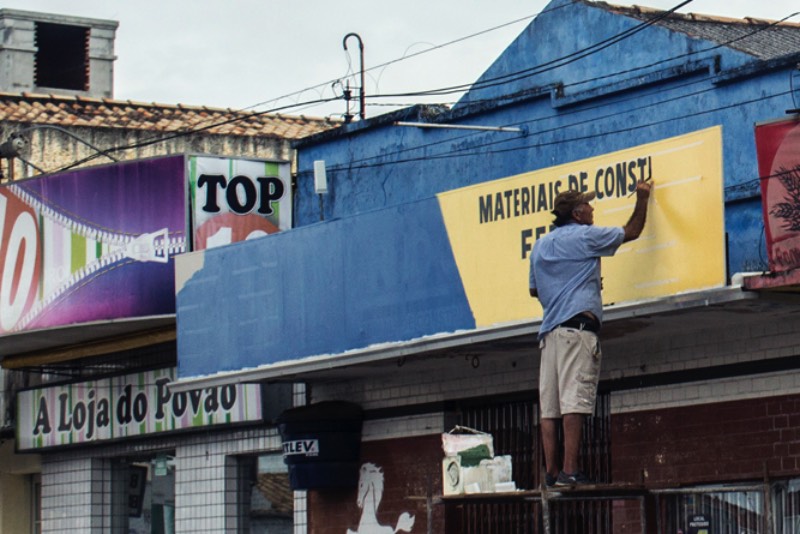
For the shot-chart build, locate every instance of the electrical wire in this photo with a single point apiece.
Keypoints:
(641, 67)
(416, 54)
(671, 88)
(527, 72)
(537, 144)
(572, 57)
(569, 58)
(308, 104)
(549, 65)
(159, 139)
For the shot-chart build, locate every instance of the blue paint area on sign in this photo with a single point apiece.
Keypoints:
(385, 276)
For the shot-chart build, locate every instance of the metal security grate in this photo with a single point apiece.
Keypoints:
(717, 510)
(514, 425)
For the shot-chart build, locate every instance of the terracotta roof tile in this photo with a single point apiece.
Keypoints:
(58, 110)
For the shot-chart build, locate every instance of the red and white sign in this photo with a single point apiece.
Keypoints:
(21, 253)
(778, 147)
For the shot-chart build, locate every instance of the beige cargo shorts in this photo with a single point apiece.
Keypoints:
(569, 372)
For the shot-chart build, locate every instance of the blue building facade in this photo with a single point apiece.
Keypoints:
(366, 299)
(582, 79)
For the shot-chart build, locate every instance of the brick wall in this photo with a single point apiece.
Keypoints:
(411, 470)
(719, 442)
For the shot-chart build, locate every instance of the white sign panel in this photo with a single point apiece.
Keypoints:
(238, 199)
(125, 407)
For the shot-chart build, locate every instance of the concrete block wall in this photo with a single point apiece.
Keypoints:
(77, 485)
(76, 495)
(203, 482)
(746, 340)
(692, 350)
(18, 53)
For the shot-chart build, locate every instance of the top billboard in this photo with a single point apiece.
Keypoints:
(237, 199)
(98, 243)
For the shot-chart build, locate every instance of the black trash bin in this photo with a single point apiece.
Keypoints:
(322, 444)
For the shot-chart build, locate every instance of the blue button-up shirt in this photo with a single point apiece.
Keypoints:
(565, 271)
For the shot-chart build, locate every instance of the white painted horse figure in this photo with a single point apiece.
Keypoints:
(370, 492)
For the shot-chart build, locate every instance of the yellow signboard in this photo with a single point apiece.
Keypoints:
(492, 226)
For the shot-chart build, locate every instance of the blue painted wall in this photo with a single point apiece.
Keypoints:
(323, 289)
(596, 104)
(379, 269)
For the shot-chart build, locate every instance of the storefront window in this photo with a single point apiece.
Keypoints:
(717, 509)
(268, 506)
(787, 506)
(150, 495)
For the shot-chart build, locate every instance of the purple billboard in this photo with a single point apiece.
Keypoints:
(92, 244)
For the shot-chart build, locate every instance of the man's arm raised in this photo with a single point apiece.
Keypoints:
(633, 228)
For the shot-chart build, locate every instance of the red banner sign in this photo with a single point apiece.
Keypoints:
(778, 146)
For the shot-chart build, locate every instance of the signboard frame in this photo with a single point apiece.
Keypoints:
(113, 408)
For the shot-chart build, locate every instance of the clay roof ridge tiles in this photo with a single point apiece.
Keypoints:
(762, 39)
(697, 17)
(111, 113)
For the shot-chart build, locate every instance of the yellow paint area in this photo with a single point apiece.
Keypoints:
(492, 226)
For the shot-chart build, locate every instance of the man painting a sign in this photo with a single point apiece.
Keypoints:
(565, 277)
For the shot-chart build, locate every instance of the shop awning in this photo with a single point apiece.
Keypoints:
(35, 348)
(714, 308)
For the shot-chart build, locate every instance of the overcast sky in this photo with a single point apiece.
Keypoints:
(248, 53)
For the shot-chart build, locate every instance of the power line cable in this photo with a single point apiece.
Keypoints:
(308, 104)
(690, 53)
(550, 143)
(549, 65)
(605, 43)
(154, 140)
(637, 96)
(416, 54)
(558, 127)
(641, 67)
(569, 58)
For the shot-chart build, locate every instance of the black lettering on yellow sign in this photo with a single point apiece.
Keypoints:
(617, 180)
(517, 202)
(535, 233)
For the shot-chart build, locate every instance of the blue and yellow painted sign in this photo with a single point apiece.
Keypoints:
(451, 263)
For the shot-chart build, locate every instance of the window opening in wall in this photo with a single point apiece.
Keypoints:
(786, 506)
(62, 56)
(145, 495)
(265, 502)
(272, 508)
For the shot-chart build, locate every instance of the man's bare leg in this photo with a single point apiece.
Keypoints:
(573, 434)
(550, 444)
